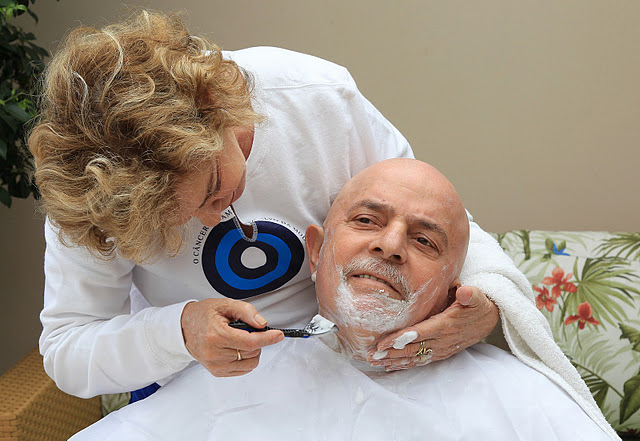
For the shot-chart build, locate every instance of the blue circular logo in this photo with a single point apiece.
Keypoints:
(239, 268)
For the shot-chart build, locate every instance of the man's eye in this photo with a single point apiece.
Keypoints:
(364, 220)
(424, 241)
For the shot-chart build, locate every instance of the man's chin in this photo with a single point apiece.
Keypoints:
(356, 342)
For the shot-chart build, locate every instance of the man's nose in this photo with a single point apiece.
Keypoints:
(390, 244)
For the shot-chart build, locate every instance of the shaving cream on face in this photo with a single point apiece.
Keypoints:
(373, 313)
(363, 317)
(376, 311)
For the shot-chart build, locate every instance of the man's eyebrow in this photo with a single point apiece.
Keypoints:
(427, 225)
(214, 190)
(436, 228)
(373, 205)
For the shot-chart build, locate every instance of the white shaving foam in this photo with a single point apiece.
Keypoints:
(379, 355)
(404, 339)
(374, 312)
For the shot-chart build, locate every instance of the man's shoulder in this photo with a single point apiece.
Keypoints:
(275, 67)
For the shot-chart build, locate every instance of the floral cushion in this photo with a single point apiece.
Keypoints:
(587, 285)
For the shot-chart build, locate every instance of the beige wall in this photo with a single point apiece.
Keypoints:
(21, 280)
(530, 107)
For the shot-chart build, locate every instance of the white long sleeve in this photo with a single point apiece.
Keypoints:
(90, 343)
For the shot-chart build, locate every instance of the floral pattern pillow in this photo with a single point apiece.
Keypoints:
(587, 284)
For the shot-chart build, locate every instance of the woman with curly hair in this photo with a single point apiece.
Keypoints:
(151, 145)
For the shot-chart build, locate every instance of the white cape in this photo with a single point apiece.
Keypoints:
(302, 390)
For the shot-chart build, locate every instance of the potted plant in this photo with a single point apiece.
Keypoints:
(21, 63)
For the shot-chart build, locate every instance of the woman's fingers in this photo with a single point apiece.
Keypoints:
(245, 355)
(464, 323)
(238, 310)
(211, 341)
(234, 367)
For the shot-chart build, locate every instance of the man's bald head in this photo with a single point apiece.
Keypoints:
(390, 251)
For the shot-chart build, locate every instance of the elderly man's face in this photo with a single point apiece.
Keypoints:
(390, 251)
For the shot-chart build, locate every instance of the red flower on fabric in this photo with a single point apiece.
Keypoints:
(544, 300)
(585, 313)
(560, 281)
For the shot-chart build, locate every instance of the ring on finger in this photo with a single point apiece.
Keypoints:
(423, 358)
(423, 350)
(239, 356)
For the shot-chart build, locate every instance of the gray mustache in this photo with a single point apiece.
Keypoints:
(381, 268)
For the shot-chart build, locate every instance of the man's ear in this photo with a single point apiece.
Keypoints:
(451, 295)
(313, 239)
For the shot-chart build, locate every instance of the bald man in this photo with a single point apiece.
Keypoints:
(388, 255)
(395, 240)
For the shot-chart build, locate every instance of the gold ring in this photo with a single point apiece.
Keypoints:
(423, 349)
(423, 358)
(239, 356)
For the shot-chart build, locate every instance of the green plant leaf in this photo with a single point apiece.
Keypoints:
(594, 365)
(9, 121)
(598, 387)
(17, 112)
(526, 243)
(23, 188)
(21, 63)
(33, 15)
(548, 244)
(601, 284)
(631, 401)
(5, 197)
(627, 245)
(632, 334)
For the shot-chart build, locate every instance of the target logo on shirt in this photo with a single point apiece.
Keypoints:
(239, 267)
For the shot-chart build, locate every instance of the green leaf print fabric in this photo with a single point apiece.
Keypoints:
(587, 285)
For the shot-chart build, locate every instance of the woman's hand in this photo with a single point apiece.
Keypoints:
(223, 350)
(469, 319)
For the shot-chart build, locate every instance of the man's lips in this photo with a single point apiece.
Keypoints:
(377, 280)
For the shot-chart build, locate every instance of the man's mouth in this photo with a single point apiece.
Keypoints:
(394, 291)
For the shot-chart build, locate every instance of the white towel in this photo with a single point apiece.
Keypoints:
(525, 328)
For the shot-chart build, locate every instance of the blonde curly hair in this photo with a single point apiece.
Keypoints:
(126, 112)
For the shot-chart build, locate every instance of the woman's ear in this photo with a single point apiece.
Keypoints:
(313, 239)
(204, 101)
